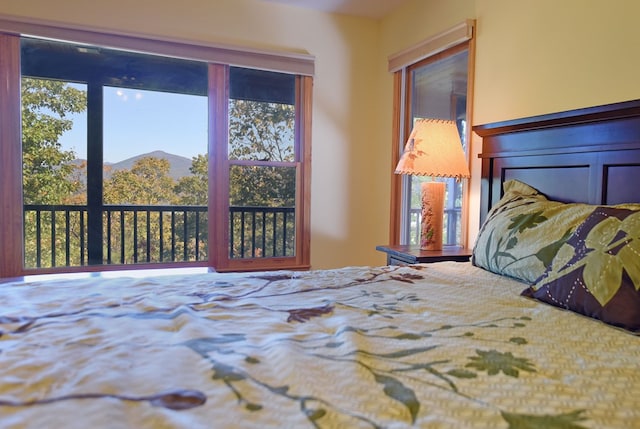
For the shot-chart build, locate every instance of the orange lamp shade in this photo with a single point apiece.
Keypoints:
(433, 149)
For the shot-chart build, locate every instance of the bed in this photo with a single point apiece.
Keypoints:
(442, 345)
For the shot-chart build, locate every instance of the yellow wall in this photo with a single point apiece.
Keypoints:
(533, 57)
(542, 56)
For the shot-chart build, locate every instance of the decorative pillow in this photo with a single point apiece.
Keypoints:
(597, 271)
(523, 232)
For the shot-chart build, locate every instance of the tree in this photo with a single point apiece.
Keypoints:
(147, 183)
(263, 132)
(193, 190)
(47, 168)
(49, 177)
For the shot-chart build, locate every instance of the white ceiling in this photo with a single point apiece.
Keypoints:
(364, 8)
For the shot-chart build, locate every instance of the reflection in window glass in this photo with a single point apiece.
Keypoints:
(438, 91)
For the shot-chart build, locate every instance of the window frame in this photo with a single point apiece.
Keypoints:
(219, 173)
(11, 225)
(11, 211)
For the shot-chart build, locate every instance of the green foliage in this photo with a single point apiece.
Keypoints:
(47, 169)
(260, 133)
(262, 186)
(147, 183)
(49, 177)
(192, 190)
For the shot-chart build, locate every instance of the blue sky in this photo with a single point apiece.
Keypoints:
(138, 122)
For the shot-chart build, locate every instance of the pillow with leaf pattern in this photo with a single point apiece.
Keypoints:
(524, 230)
(597, 271)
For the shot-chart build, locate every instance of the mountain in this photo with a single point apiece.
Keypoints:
(178, 165)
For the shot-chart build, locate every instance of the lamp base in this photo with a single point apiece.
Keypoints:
(432, 215)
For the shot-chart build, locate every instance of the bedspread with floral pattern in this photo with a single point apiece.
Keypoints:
(444, 345)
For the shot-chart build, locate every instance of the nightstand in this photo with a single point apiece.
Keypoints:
(407, 255)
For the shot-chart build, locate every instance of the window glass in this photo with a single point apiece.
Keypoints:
(263, 220)
(262, 175)
(54, 175)
(262, 116)
(151, 140)
(128, 146)
(116, 153)
(437, 90)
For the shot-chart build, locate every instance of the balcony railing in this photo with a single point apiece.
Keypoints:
(58, 235)
(259, 232)
(451, 222)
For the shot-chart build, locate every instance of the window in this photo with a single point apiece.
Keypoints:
(123, 151)
(262, 167)
(431, 81)
(264, 163)
(437, 89)
(111, 142)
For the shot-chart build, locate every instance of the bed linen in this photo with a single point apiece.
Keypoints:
(445, 345)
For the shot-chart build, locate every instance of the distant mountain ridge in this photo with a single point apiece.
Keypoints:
(178, 165)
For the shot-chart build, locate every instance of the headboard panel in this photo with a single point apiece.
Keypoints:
(587, 155)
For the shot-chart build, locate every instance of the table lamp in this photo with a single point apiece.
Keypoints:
(433, 149)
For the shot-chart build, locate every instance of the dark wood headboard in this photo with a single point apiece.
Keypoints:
(589, 155)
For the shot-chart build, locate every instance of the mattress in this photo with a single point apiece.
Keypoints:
(445, 345)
